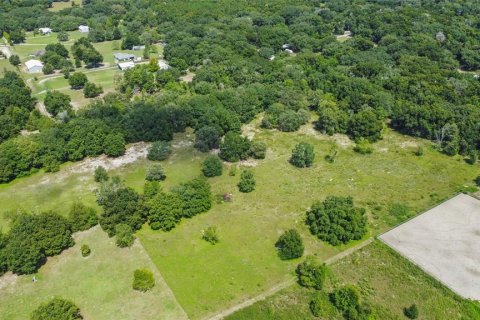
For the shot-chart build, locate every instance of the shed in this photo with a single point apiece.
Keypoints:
(45, 31)
(34, 66)
(120, 56)
(84, 29)
(125, 65)
(134, 48)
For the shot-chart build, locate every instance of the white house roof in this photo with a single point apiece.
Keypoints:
(126, 65)
(44, 30)
(123, 56)
(33, 63)
(84, 28)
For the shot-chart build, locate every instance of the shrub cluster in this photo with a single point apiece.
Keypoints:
(143, 280)
(290, 245)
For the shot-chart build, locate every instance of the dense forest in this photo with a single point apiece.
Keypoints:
(405, 64)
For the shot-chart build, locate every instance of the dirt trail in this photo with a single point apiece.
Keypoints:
(283, 285)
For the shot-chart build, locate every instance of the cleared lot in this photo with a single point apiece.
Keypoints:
(445, 242)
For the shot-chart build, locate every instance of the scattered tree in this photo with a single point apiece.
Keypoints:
(91, 90)
(290, 245)
(363, 146)
(234, 147)
(247, 182)
(56, 102)
(212, 166)
(336, 220)
(56, 309)
(14, 60)
(62, 36)
(302, 155)
(77, 80)
(207, 138)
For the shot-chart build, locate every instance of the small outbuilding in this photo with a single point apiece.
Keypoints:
(163, 65)
(120, 56)
(45, 31)
(83, 29)
(125, 65)
(135, 48)
(34, 66)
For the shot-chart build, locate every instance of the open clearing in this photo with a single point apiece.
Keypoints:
(101, 284)
(444, 242)
(207, 279)
(387, 283)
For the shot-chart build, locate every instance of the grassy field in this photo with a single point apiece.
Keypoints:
(206, 278)
(101, 284)
(387, 282)
(57, 6)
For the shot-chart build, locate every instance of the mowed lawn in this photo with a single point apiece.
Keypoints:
(206, 279)
(57, 6)
(387, 283)
(100, 285)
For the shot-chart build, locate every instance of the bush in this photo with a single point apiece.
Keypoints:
(302, 155)
(290, 245)
(100, 174)
(258, 149)
(366, 124)
(336, 220)
(419, 152)
(477, 181)
(155, 173)
(77, 80)
(363, 146)
(247, 182)
(347, 301)
(210, 235)
(159, 151)
(321, 307)
(82, 217)
(124, 234)
(234, 147)
(411, 312)
(207, 138)
(472, 157)
(56, 309)
(91, 90)
(143, 280)
(311, 273)
(212, 167)
(85, 250)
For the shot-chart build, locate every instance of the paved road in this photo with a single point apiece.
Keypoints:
(283, 285)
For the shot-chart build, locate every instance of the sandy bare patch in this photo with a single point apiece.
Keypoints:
(27, 133)
(7, 279)
(133, 153)
(340, 139)
(249, 163)
(188, 77)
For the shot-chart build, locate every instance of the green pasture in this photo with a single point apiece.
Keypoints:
(206, 278)
(57, 6)
(100, 285)
(387, 283)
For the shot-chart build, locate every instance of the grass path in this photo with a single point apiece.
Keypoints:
(283, 285)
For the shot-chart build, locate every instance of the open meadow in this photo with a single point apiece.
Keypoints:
(387, 283)
(244, 262)
(100, 284)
